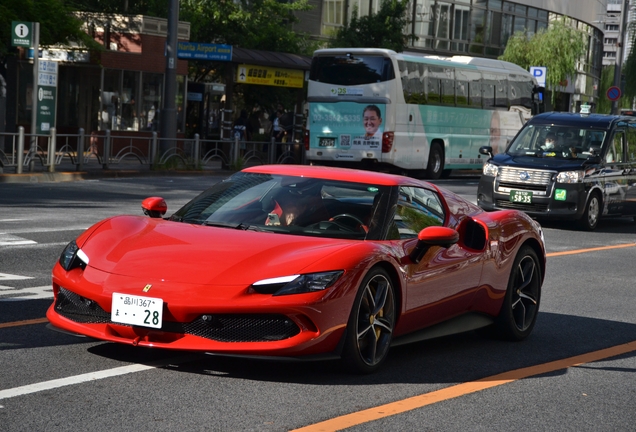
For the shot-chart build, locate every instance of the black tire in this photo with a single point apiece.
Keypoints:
(521, 304)
(370, 326)
(435, 165)
(592, 213)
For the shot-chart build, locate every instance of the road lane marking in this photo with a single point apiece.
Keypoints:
(31, 293)
(92, 376)
(595, 249)
(419, 401)
(7, 276)
(23, 323)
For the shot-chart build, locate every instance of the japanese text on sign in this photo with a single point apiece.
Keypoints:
(249, 74)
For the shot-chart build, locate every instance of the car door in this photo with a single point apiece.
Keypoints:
(630, 188)
(444, 281)
(616, 173)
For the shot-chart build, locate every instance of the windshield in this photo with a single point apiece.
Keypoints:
(351, 70)
(291, 205)
(557, 141)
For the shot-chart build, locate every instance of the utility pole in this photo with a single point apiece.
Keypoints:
(623, 30)
(168, 115)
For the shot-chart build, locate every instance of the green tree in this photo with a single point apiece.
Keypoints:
(57, 23)
(256, 24)
(629, 70)
(558, 48)
(382, 30)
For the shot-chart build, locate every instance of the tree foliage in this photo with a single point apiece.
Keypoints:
(629, 68)
(57, 23)
(558, 48)
(382, 30)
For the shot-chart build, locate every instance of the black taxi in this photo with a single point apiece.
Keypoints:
(565, 166)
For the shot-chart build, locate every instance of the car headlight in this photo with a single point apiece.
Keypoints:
(72, 257)
(297, 284)
(490, 169)
(570, 177)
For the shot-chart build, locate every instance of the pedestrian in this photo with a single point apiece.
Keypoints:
(278, 131)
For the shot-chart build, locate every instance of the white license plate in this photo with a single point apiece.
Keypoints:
(524, 197)
(326, 142)
(137, 310)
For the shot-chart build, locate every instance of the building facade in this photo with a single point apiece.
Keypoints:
(481, 28)
(117, 89)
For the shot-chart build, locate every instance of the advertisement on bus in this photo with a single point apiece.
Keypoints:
(344, 128)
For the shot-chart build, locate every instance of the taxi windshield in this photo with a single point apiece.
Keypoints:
(569, 142)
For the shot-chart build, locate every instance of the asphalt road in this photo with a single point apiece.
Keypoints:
(576, 372)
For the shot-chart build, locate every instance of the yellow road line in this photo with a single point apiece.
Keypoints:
(580, 251)
(21, 323)
(382, 411)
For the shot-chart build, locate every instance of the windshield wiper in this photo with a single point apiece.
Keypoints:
(241, 225)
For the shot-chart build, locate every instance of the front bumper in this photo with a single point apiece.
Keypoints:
(557, 201)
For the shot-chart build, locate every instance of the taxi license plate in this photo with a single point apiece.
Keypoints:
(137, 310)
(326, 142)
(524, 197)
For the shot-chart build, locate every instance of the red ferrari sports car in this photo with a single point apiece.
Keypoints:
(304, 262)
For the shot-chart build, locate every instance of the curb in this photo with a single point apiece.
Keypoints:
(66, 176)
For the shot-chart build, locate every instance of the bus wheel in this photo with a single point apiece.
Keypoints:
(435, 165)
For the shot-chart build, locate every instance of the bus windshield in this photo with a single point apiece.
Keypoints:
(351, 70)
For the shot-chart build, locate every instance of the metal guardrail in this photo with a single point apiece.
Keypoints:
(23, 151)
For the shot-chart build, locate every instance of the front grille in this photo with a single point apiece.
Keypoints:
(535, 177)
(217, 327)
(241, 328)
(521, 206)
(80, 309)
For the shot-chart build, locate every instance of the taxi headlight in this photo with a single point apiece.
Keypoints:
(490, 169)
(570, 177)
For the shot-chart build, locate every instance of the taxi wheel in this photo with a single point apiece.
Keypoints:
(592, 213)
(370, 325)
(521, 304)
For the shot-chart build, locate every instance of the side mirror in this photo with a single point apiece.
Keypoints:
(155, 207)
(433, 236)
(485, 150)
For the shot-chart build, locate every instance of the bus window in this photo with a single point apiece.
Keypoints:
(448, 87)
(351, 70)
(434, 84)
(413, 82)
(501, 91)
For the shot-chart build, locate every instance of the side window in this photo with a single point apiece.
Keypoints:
(631, 142)
(615, 151)
(417, 209)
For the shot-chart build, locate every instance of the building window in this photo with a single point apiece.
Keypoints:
(332, 16)
(609, 54)
(611, 27)
(610, 41)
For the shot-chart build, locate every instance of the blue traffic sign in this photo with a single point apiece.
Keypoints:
(614, 93)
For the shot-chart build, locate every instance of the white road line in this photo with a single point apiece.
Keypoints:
(11, 240)
(7, 276)
(32, 293)
(91, 376)
(43, 230)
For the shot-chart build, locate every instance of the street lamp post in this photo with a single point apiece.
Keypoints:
(619, 54)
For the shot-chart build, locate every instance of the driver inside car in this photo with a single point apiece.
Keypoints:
(550, 142)
(298, 204)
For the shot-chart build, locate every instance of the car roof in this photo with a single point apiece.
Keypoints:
(331, 173)
(601, 121)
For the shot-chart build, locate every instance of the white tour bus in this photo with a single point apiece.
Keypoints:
(425, 115)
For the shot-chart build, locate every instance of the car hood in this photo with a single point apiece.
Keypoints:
(538, 162)
(174, 251)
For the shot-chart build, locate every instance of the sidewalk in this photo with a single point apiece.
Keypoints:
(68, 172)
